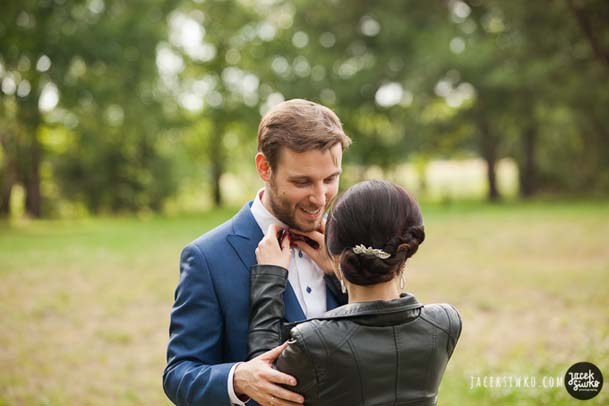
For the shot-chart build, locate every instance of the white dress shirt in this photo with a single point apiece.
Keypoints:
(305, 277)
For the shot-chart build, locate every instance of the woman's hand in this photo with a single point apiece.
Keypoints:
(319, 255)
(269, 252)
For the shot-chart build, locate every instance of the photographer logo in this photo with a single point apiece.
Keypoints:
(583, 380)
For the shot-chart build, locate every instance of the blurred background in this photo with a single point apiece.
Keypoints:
(127, 129)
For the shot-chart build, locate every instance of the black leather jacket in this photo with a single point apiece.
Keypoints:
(371, 353)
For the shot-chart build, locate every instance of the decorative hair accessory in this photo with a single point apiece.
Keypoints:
(361, 249)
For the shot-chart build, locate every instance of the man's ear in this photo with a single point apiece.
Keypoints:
(263, 167)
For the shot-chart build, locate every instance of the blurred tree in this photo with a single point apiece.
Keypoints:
(592, 17)
(101, 100)
(588, 95)
(388, 70)
(367, 61)
(22, 35)
(87, 67)
(219, 43)
(8, 155)
(560, 53)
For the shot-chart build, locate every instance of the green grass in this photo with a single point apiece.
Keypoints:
(84, 305)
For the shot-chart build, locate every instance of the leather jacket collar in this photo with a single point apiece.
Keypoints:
(379, 312)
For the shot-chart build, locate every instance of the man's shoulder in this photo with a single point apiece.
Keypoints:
(214, 237)
(217, 236)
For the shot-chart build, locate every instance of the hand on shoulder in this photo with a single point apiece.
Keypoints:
(258, 380)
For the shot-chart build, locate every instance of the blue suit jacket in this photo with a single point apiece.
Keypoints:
(209, 319)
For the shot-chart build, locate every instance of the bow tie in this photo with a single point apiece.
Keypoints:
(296, 237)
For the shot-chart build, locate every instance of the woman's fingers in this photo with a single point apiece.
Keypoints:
(270, 251)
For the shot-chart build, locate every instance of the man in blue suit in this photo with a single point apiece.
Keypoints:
(300, 147)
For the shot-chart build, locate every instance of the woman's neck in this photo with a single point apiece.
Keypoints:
(381, 291)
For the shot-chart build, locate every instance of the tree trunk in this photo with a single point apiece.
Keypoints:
(30, 151)
(6, 188)
(528, 169)
(5, 200)
(592, 34)
(33, 198)
(8, 174)
(488, 148)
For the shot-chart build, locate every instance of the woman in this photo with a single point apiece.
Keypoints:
(383, 347)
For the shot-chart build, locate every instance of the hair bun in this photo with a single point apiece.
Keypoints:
(380, 216)
(416, 233)
(407, 243)
(403, 247)
(363, 269)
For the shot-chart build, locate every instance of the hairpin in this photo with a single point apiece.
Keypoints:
(361, 249)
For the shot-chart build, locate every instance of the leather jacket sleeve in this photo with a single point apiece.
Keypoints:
(266, 312)
(295, 361)
(454, 327)
(268, 283)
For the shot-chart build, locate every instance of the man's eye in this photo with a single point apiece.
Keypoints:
(301, 184)
(331, 180)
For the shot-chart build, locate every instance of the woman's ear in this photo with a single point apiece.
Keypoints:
(263, 167)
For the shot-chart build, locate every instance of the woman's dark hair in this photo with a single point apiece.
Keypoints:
(375, 214)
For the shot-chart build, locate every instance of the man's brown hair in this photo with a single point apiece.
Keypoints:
(300, 125)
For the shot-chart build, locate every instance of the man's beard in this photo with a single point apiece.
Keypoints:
(282, 210)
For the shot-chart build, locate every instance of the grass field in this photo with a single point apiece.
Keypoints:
(84, 304)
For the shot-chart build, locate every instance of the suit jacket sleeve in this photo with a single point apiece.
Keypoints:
(195, 374)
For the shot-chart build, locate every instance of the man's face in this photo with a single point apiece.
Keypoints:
(303, 185)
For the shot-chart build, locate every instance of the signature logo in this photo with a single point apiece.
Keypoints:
(583, 380)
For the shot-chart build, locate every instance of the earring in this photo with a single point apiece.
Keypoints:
(402, 280)
(340, 276)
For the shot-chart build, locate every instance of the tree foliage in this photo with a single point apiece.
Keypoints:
(111, 104)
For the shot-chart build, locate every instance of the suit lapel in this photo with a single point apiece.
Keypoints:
(331, 301)
(244, 240)
(293, 311)
(246, 236)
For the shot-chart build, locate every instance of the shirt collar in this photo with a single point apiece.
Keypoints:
(263, 217)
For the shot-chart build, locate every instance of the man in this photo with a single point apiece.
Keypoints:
(300, 146)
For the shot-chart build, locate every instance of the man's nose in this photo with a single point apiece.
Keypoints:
(318, 197)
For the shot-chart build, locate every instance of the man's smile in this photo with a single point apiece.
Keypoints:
(311, 214)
